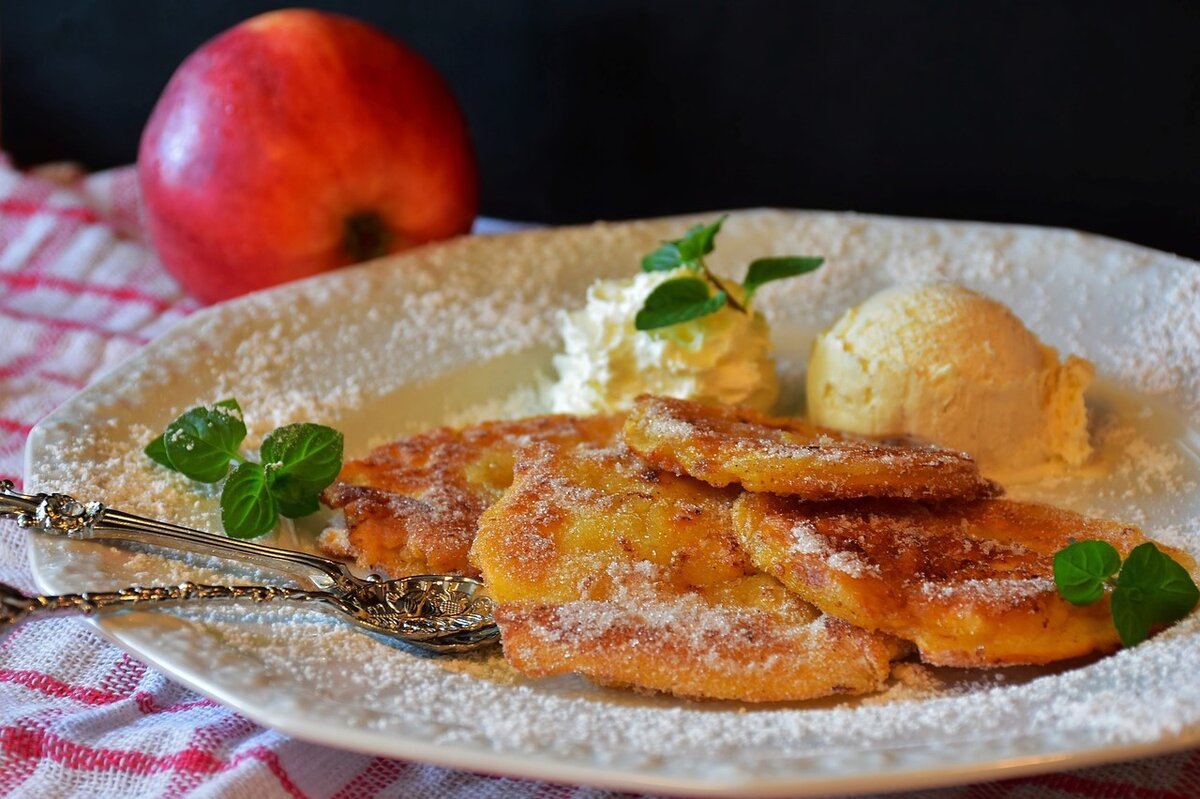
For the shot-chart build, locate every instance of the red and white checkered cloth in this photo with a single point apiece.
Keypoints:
(79, 292)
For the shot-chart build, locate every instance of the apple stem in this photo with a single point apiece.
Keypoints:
(366, 236)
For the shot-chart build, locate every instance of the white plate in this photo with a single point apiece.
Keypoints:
(462, 330)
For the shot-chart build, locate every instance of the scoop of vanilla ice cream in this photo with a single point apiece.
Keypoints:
(943, 363)
(606, 362)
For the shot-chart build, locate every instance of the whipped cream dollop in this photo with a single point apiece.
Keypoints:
(606, 362)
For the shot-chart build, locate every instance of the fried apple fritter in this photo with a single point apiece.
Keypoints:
(970, 583)
(603, 565)
(412, 505)
(723, 445)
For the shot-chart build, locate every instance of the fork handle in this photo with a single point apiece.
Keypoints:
(65, 516)
(16, 607)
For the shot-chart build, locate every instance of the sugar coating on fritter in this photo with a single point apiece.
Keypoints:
(970, 583)
(724, 445)
(605, 566)
(686, 646)
(412, 506)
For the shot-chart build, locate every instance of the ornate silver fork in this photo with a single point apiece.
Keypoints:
(437, 612)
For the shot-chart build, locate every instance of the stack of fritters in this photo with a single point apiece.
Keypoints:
(682, 553)
(632, 576)
(969, 579)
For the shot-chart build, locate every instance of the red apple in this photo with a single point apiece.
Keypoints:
(298, 142)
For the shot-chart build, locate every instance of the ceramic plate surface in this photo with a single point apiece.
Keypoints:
(465, 331)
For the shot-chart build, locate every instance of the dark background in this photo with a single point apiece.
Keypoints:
(1079, 114)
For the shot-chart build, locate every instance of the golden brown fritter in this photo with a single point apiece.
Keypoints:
(723, 445)
(605, 566)
(412, 506)
(970, 583)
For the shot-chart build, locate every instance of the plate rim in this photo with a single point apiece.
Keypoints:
(532, 767)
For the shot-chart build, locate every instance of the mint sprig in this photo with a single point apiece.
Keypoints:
(686, 298)
(298, 462)
(1149, 588)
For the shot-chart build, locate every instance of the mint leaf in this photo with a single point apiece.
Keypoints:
(202, 442)
(664, 259)
(156, 450)
(765, 270)
(1151, 589)
(679, 300)
(699, 240)
(247, 508)
(1172, 591)
(1081, 570)
(293, 499)
(1131, 615)
(300, 460)
(306, 454)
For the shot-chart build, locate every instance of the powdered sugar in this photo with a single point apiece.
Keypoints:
(348, 350)
(804, 540)
(851, 564)
(1008, 592)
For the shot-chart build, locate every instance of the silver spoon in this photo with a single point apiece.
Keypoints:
(418, 627)
(438, 612)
